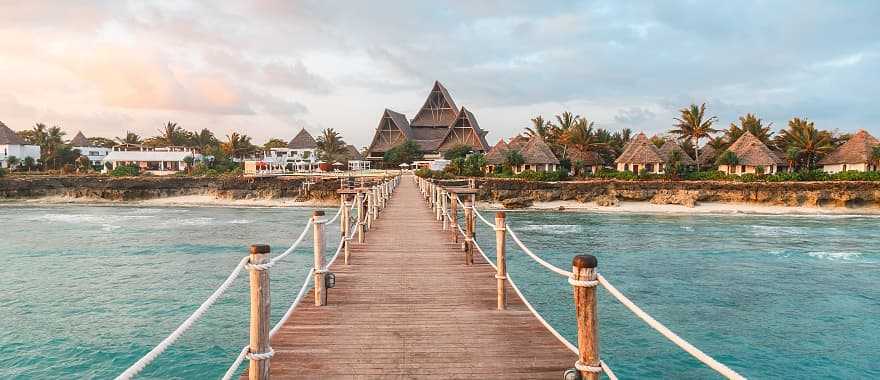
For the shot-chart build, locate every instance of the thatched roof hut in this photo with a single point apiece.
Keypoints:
(857, 150)
(750, 151)
(585, 157)
(8, 137)
(671, 146)
(302, 140)
(353, 153)
(80, 140)
(708, 154)
(640, 151)
(537, 151)
(498, 154)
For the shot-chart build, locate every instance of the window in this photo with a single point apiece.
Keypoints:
(625, 167)
(844, 167)
(742, 169)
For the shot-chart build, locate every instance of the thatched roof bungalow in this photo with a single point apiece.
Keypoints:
(751, 154)
(668, 149)
(855, 154)
(583, 160)
(13, 146)
(640, 153)
(537, 156)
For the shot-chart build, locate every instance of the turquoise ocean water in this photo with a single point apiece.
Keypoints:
(86, 290)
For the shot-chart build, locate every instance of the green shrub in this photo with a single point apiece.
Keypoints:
(749, 177)
(714, 175)
(125, 171)
(2, 172)
(435, 174)
(555, 176)
(852, 175)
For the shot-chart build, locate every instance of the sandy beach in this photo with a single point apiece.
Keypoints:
(181, 201)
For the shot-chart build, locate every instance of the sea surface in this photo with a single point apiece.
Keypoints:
(87, 290)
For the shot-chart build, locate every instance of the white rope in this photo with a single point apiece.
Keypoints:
(535, 257)
(186, 325)
(335, 216)
(262, 355)
(488, 223)
(689, 348)
(582, 283)
(237, 363)
(295, 244)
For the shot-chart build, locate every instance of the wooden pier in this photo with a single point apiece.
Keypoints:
(408, 306)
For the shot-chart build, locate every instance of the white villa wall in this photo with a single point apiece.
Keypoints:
(95, 154)
(657, 168)
(747, 169)
(19, 151)
(861, 167)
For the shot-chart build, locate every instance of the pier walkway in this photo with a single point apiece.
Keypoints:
(407, 306)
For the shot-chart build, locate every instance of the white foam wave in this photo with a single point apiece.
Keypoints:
(239, 221)
(761, 230)
(552, 229)
(835, 255)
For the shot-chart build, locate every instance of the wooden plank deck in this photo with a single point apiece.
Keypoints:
(408, 307)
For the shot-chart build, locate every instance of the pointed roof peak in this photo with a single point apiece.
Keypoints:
(80, 140)
(302, 140)
(858, 149)
(439, 109)
(8, 136)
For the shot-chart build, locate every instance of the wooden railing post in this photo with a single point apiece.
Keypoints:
(260, 309)
(343, 221)
(453, 215)
(584, 270)
(318, 240)
(360, 216)
(346, 230)
(501, 263)
(370, 201)
(469, 233)
(377, 202)
(444, 206)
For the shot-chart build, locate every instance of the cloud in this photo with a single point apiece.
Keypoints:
(633, 116)
(297, 77)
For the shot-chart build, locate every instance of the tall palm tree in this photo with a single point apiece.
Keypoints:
(809, 141)
(694, 125)
(130, 138)
(875, 155)
(237, 145)
(582, 135)
(565, 122)
(274, 143)
(172, 135)
(539, 127)
(791, 157)
(203, 139)
(331, 147)
(53, 141)
(752, 124)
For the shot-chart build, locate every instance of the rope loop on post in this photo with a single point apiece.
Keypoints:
(259, 267)
(581, 366)
(261, 356)
(583, 283)
(500, 277)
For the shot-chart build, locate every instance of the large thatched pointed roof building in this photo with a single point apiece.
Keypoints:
(855, 154)
(438, 126)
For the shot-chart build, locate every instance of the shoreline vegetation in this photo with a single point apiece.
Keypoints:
(645, 196)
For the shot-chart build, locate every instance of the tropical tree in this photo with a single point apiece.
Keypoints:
(331, 147)
(513, 158)
(752, 124)
(791, 157)
(811, 143)
(130, 138)
(29, 163)
(274, 143)
(693, 124)
(405, 153)
(728, 159)
(12, 162)
(204, 139)
(875, 155)
(83, 164)
(457, 151)
(582, 136)
(237, 145)
(540, 128)
(170, 135)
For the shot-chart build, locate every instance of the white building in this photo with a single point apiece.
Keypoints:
(13, 146)
(300, 155)
(95, 154)
(854, 155)
(158, 161)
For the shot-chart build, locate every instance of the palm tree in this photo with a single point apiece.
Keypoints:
(752, 124)
(331, 147)
(810, 142)
(29, 163)
(172, 135)
(237, 145)
(12, 162)
(539, 128)
(130, 138)
(274, 143)
(727, 159)
(83, 164)
(791, 157)
(694, 125)
(203, 139)
(582, 136)
(565, 122)
(875, 155)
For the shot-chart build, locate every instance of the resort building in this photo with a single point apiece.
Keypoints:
(855, 154)
(583, 161)
(438, 126)
(13, 146)
(640, 154)
(707, 157)
(752, 156)
(496, 157)
(158, 161)
(536, 154)
(356, 161)
(95, 154)
(300, 155)
(667, 152)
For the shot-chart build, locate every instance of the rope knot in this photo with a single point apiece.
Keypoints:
(581, 366)
(261, 356)
(500, 276)
(583, 283)
(259, 267)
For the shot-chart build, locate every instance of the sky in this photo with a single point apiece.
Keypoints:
(267, 68)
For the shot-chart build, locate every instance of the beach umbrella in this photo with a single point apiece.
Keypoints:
(337, 163)
(404, 165)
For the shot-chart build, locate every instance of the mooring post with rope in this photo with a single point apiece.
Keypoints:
(369, 197)
(346, 230)
(444, 215)
(500, 235)
(360, 216)
(343, 220)
(260, 352)
(453, 214)
(469, 233)
(318, 248)
(376, 203)
(584, 278)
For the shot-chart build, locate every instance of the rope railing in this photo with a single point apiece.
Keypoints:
(245, 263)
(620, 297)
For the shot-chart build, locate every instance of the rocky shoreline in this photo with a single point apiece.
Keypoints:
(836, 194)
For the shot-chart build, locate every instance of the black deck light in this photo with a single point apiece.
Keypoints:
(330, 280)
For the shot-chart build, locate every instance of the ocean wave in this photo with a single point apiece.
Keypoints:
(842, 256)
(552, 229)
(86, 218)
(240, 221)
(761, 230)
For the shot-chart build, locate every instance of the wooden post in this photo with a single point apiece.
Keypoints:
(360, 219)
(343, 221)
(346, 231)
(453, 215)
(469, 233)
(444, 200)
(260, 309)
(584, 269)
(500, 231)
(318, 240)
(369, 195)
